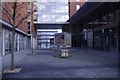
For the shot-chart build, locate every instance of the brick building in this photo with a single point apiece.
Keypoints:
(74, 6)
(22, 38)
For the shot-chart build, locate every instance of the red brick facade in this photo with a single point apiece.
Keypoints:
(21, 12)
(73, 6)
(73, 9)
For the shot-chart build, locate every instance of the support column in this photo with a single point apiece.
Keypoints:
(3, 49)
(18, 45)
(0, 51)
(108, 34)
(118, 32)
(87, 36)
(34, 43)
(1, 41)
(25, 42)
(93, 34)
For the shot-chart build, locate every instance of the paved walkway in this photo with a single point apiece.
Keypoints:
(0, 67)
(83, 63)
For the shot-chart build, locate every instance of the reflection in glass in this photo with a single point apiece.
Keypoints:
(51, 11)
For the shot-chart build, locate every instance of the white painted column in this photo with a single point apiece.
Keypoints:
(34, 43)
(3, 38)
(31, 40)
(18, 46)
(25, 42)
(0, 52)
(0, 41)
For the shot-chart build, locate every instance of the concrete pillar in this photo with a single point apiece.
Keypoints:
(34, 43)
(93, 34)
(118, 40)
(0, 52)
(3, 46)
(0, 41)
(18, 45)
(25, 39)
(88, 32)
(108, 34)
(118, 28)
(31, 41)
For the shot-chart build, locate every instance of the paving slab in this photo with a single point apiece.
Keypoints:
(83, 63)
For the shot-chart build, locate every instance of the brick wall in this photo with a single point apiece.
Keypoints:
(73, 6)
(20, 13)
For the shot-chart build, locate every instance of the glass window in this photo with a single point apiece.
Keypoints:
(28, 5)
(2, 3)
(77, 7)
(77, 0)
(111, 17)
(53, 16)
(51, 11)
(46, 35)
(35, 17)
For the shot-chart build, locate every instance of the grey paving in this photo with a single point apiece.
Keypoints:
(0, 67)
(83, 63)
